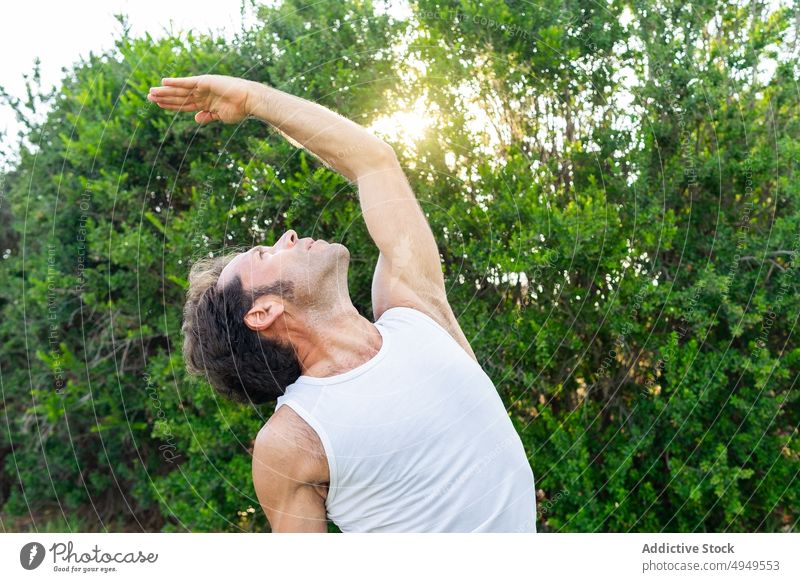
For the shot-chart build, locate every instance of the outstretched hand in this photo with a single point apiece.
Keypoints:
(214, 97)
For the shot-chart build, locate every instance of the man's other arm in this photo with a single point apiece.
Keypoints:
(286, 473)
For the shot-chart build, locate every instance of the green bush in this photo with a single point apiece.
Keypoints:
(626, 270)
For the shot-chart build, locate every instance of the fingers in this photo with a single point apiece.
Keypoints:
(204, 117)
(169, 92)
(185, 82)
(188, 100)
(189, 107)
(181, 94)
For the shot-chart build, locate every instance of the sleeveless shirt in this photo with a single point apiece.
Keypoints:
(417, 438)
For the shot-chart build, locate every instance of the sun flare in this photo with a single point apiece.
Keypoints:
(406, 126)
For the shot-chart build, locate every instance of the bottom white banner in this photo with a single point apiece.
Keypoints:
(371, 557)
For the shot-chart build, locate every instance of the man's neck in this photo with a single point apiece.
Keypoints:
(332, 341)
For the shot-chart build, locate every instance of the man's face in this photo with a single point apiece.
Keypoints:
(307, 263)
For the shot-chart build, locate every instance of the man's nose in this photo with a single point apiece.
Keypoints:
(289, 239)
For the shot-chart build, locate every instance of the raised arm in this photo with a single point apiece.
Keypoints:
(409, 271)
(340, 143)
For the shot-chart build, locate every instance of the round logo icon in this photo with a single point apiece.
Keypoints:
(31, 555)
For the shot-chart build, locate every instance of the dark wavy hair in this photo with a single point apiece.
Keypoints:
(239, 363)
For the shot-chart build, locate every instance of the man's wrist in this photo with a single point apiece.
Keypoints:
(253, 98)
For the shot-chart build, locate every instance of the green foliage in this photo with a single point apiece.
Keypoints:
(619, 237)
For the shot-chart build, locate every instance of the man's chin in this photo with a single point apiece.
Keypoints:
(339, 247)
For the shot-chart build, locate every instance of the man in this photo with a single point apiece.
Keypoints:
(384, 427)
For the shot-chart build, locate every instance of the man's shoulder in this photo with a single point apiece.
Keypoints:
(289, 477)
(287, 446)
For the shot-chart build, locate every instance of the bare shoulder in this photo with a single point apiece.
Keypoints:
(288, 447)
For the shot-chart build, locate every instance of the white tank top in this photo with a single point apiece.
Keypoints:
(417, 438)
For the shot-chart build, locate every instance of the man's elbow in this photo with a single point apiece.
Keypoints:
(384, 153)
(374, 157)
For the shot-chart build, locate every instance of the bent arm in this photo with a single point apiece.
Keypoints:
(409, 270)
(391, 211)
(393, 216)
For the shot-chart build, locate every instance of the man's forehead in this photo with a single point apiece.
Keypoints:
(235, 265)
(230, 270)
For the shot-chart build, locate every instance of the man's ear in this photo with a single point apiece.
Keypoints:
(265, 310)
